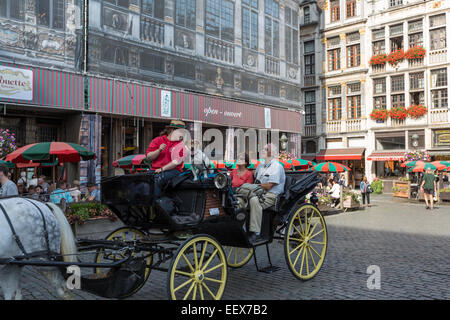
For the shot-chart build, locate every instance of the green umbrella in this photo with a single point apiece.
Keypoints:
(10, 165)
(330, 167)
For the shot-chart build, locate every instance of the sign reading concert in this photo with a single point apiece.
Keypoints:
(16, 83)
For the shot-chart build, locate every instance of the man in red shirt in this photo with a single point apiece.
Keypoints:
(167, 153)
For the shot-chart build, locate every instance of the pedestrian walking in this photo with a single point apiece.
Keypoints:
(365, 191)
(428, 186)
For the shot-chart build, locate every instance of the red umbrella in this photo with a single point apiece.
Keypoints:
(131, 160)
(330, 167)
(63, 151)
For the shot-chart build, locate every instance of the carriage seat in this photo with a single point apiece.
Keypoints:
(283, 196)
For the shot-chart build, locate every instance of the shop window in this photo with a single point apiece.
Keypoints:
(395, 141)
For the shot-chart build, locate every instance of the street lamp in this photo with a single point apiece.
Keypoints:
(283, 140)
(415, 140)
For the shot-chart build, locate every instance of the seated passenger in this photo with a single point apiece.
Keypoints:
(271, 176)
(61, 193)
(167, 153)
(242, 174)
(335, 193)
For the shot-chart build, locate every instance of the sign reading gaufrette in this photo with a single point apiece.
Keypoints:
(16, 83)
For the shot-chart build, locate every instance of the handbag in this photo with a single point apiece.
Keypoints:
(369, 188)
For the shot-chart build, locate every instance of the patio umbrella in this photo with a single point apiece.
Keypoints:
(299, 163)
(216, 164)
(131, 160)
(425, 166)
(8, 164)
(62, 151)
(441, 162)
(285, 163)
(330, 167)
(254, 163)
(412, 163)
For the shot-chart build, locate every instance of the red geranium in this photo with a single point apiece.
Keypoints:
(396, 56)
(415, 53)
(417, 111)
(398, 113)
(378, 59)
(379, 114)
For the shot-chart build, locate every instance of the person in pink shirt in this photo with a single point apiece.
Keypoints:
(241, 175)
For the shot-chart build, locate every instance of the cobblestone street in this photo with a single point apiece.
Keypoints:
(408, 243)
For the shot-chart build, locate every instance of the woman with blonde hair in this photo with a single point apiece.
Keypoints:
(365, 188)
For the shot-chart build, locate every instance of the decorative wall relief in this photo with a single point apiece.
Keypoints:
(51, 44)
(115, 19)
(9, 35)
(292, 72)
(249, 58)
(184, 39)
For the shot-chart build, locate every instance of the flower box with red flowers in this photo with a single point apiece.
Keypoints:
(396, 56)
(417, 111)
(378, 59)
(379, 114)
(415, 53)
(399, 113)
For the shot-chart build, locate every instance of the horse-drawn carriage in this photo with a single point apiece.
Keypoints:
(194, 231)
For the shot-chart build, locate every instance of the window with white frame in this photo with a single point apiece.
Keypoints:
(335, 10)
(334, 103)
(291, 35)
(250, 24)
(354, 100)
(378, 41)
(353, 50)
(438, 33)
(272, 28)
(306, 15)
(379, 92)
(395, 3)
(415, 34)
(416, 88)
(439, 92)
(396, 37)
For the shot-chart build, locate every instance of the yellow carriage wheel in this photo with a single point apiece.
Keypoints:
(123, 234)
(305, 242)
(198, 270)
(238, 257)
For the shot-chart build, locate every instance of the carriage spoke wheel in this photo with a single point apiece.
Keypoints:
(123, 234)
(305, 242)
(238, 257)
(198, 270)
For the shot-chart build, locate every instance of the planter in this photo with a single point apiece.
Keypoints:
(95, 228)
(323, 207)
(350, 203)
(444, 196)
(403, 189)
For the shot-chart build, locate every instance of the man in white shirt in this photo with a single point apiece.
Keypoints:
(335, 192)
(271, 177)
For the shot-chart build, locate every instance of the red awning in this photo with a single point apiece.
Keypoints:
(340, 154)
(386, 156)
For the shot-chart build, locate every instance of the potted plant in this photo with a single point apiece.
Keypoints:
(395, 57)
(351, 200)
(7, 142)
(91, 219)
(417, 111)
(377, 186)
(379, 59)
(398, 113)
(379, 114)
(415, 53)
(324, 201)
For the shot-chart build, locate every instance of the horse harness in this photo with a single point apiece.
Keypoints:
(51, 255)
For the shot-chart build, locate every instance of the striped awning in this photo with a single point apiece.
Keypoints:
(386, 156)
(53, 88)
(118, 97)
(340, 154)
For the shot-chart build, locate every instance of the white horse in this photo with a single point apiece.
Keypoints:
(28, 225)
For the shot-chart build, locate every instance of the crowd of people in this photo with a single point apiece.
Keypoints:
(41, 189)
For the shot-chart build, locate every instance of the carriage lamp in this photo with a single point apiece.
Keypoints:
(220, 181)
(283, 140)
(415, 140)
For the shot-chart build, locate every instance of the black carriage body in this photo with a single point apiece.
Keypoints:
(131, 198)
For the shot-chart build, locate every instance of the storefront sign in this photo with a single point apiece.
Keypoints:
(16, 83)
(166, 104)
(442, 137)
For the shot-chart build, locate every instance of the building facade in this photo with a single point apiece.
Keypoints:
(352, 33)
(109, 74)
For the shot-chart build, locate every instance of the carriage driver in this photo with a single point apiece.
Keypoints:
(167, 153)
(270, 175)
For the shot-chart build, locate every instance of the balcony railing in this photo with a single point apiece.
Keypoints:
(152, 30)
(334, 126)
(379, 68)
(413, 63)
(272, 66)
(438, 56)
(310, 130)
(310, 80)
(439, 115)
(397, 122)
(220, 50)
(353, 125)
